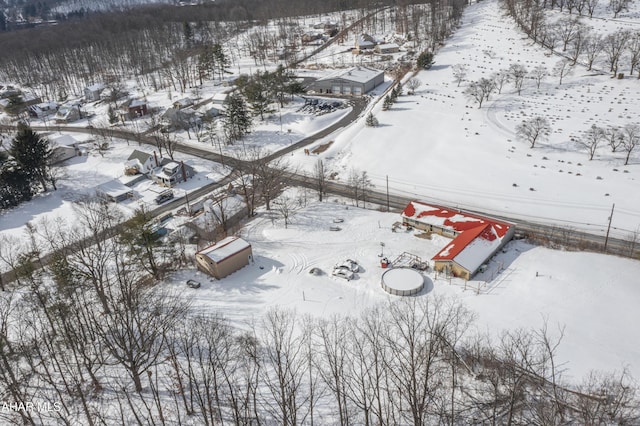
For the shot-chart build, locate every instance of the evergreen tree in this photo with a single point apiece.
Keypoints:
(387, 103)
(372, 121)
(32, 153)
(238, 121)
(15, 185)
(425, 60)
(255, 92)
(221, 62)
(188, 34)
(113, 117)
(394, 94)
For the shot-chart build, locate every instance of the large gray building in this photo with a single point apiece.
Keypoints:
(354, 81)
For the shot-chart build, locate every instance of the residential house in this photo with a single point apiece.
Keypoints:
(92, 93)
(134, 108)
(183, 103)
(180, 119)
(140, 162)
(170, 172)
(68, 113)
(365, 42)
(63, 147)
(43, 109)
(224, 257)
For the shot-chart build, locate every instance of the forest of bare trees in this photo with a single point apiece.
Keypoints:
(98, 340)
(165, 46)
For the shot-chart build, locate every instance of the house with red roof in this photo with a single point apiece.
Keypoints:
(224, 257)
(474, 238)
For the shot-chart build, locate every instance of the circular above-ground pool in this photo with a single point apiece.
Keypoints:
(402, 281)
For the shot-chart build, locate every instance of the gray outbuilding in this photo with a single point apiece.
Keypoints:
(355, 81)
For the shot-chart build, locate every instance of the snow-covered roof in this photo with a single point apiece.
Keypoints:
(388, 46)
(63, 140)
(114, 188)
(141, 156)
(478, 237)
(224, 249)
(357, 74)
(220, 97)
(96, 87)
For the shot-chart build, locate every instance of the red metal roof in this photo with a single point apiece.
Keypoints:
(469, 227)
(452, 219)
(451, 250)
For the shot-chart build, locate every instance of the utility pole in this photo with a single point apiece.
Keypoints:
(387, 193)
(606, 239)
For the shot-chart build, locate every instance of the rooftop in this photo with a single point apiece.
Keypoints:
(224, 249)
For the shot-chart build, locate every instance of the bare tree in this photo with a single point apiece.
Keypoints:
(499, 79)
(630, 140)
(480, 90)
(614, 137)
(591, 6)
(613, 45)
(285, 367)
(533, 130)
(633, 47)
(320, 177)
(592, 48)
(413, 84)
(562, 69)
(618, 6)
(568, 28)
(517, 72)
(286, 208)
(591, 140)
(271, 178)
(459, 73)
(538, 74)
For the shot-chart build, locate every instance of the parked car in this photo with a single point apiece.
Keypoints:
(343, 273)
(351, 265)
(164, 196)
(193, 284)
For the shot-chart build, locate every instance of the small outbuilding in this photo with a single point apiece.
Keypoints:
(224, 257)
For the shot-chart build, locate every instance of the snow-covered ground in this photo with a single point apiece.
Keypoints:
(438, 146)
(591, 296)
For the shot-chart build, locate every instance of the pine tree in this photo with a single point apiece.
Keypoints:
(387, 103)
(113, 117)
(238, 121)
(32, 153)
(15, 185)
(372, 121)
(425, 60)
(142, 241)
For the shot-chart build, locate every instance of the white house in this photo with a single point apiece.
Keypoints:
(63, 147)
(139, 162)
(68, 114)
(92, 93)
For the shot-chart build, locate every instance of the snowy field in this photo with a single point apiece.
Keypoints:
(438, 146)
(592, 296)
